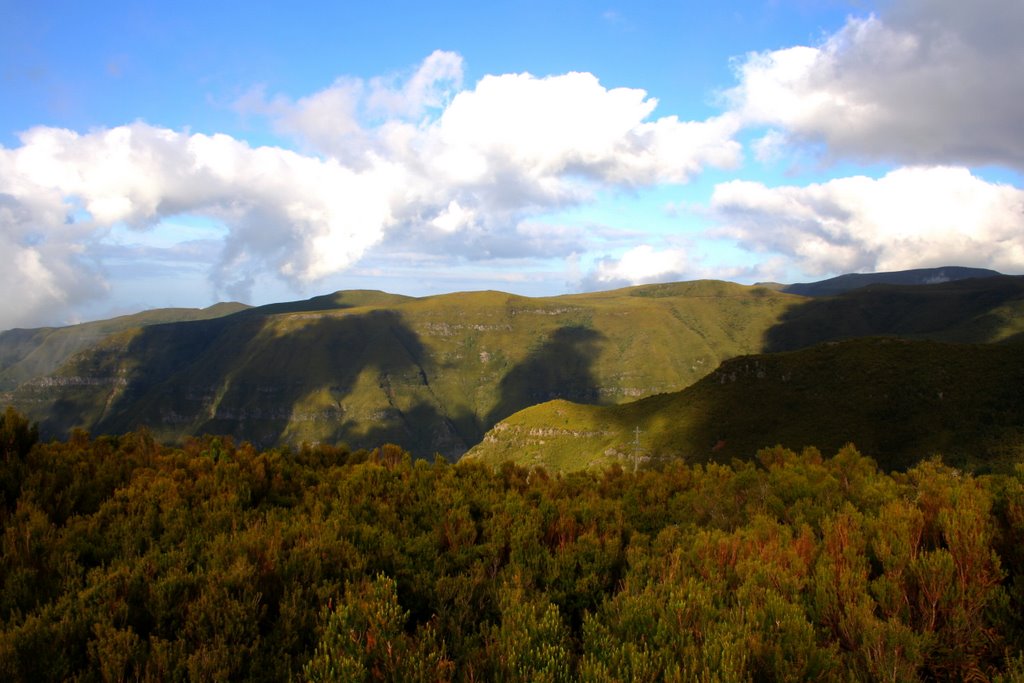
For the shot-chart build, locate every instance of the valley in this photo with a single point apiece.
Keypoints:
(436, 374)
(667, 482)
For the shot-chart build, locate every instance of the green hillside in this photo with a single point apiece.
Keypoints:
(901, 400)
(25, 354)
(433, 374)
(968, 311)
(918, 276)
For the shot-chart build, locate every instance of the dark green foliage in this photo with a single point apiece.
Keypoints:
(981, 310)
(123, 559)
(900, 400)
(17, 436)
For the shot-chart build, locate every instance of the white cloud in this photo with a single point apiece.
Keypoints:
(431, 86)
(331, 121)
(930, 82)
(642, 264)
(453, 218)
(466, 180)
(327, 120)
(512, 143)
(300, 217)
(912, 217)
(551, 129)
(44, 279)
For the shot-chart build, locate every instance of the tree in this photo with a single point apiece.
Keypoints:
(17, 436)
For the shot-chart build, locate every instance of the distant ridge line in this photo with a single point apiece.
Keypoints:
(918, 276)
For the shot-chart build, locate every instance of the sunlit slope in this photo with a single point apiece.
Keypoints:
(28, 353)
(432, 374)
(900, 400)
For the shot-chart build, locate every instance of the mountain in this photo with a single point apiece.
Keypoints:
(920, 276)
(433, 374)
(972, 310)
(899, 400)
(28, 353)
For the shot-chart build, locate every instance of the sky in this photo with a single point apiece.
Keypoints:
(180, 154)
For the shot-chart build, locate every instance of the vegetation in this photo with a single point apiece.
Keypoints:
(434, 374)
(987, 310)
(901, 400)
(25, 354)
(124, 559)
(586, 538)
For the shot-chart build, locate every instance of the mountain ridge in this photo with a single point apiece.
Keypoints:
(904, 400)
(30, 352)
(434, 374)
(917, 276)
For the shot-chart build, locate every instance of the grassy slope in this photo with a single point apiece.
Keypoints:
(968, 311)
(28, 353)
(432, 374)
(898, 400)
(708, 422)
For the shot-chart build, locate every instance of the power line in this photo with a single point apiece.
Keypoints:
(636, 449)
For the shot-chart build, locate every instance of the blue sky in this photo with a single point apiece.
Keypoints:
(176, 155)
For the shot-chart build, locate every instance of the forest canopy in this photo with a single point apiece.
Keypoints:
(126, 559)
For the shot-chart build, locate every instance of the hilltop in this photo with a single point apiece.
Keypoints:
(431, 373)
(918, 276)
(28, 353)
(903, 400)
(434, 374)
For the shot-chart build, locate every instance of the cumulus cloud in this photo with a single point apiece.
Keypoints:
(431, 86)
(41, 276)
(460, 170)
(327, 120)
(333, 121)
(642, 264)
(299, 216)
(929, 82)
(911, 218)
(550, 129)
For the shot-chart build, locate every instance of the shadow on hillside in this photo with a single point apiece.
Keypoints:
(960, 311)
(422, 429)
(105, 389)
(361, 379)
(255, 380)
(561, 367)
(317, 304)
(898, 401)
